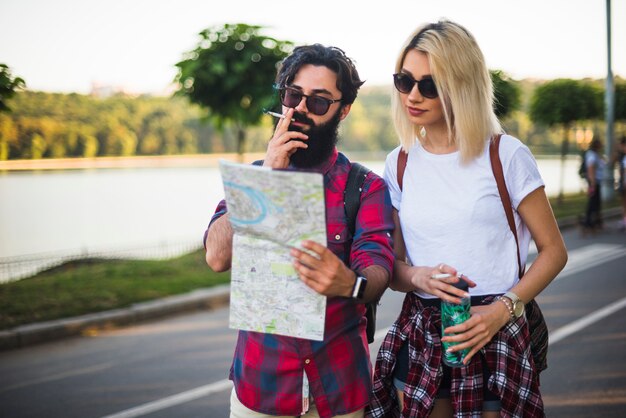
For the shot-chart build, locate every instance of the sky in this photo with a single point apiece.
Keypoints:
(67, 45)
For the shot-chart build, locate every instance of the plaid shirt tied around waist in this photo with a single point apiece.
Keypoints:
(508, 357)
(268, 369)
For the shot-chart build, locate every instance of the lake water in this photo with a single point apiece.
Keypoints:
(50, 216)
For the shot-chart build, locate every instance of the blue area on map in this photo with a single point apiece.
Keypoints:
(258, 199)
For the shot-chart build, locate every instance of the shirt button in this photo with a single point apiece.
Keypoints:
(307, 361)
(337, 237)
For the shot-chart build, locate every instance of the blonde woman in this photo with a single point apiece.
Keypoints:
(449, 218)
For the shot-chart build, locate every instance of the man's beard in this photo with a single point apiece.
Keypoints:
(321, 142)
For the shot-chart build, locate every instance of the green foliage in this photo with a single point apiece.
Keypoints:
(8, 86)
(230, 74)
(368, 127)
(51, 125)
(563, 101)
(620, 101)
(507, 93)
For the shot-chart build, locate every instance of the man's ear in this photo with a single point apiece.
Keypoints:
(345, 109)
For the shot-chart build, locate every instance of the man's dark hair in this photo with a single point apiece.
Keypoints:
(348, 81)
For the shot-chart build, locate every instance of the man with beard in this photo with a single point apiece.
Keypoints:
(275, 375)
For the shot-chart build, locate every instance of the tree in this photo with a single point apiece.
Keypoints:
(230, 74)
(507, 93)
(8, 86)
(8, 136)
(563, 102)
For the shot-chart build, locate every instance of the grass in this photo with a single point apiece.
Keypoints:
(88, 286)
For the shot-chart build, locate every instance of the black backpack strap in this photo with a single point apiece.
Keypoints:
(352, 201)
(352, 193)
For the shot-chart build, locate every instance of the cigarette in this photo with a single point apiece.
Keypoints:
(440, 276)
(276, 115)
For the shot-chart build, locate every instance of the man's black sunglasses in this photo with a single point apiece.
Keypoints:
(317, 105)
(404, 84)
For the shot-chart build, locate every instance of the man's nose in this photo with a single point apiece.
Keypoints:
(301, 108)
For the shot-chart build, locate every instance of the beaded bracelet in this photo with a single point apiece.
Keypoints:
(509, 306)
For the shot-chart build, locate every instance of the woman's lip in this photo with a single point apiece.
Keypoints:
(415, 111)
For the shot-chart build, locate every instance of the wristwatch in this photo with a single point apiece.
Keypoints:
(359, 287)
(518, 305)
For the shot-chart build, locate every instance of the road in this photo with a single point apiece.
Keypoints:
(178, 367)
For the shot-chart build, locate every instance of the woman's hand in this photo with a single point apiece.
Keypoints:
(438, 281)
(485, 321)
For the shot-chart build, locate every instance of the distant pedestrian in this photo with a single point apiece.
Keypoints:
(620, 158)
(596, 171)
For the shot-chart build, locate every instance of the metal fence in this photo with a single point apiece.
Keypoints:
(20, 267)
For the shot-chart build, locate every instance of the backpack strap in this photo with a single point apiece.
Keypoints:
(498, 173)
(352, 201)
(352, 193)
(402, 159)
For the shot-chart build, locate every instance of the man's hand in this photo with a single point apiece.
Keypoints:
(282, 144)
(323, 271)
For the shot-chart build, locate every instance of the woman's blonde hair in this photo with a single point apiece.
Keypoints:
(464, 84)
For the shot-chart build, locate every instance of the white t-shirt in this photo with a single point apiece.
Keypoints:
(593, 159)
(452, 213)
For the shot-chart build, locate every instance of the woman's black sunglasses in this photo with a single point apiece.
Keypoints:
(426, 86)
(317, 105)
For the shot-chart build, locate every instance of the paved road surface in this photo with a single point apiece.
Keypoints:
(178, 367)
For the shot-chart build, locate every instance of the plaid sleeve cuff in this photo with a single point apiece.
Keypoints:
(219, 211)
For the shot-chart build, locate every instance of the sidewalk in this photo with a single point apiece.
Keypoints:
(209, 298)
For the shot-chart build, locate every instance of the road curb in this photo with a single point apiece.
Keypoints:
(26, 335)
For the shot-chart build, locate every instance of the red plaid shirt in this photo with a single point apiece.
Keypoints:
(508, 356)
(267, 369)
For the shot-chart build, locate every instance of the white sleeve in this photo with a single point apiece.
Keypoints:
(522, 174)
(391, 178)
(591, 159)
